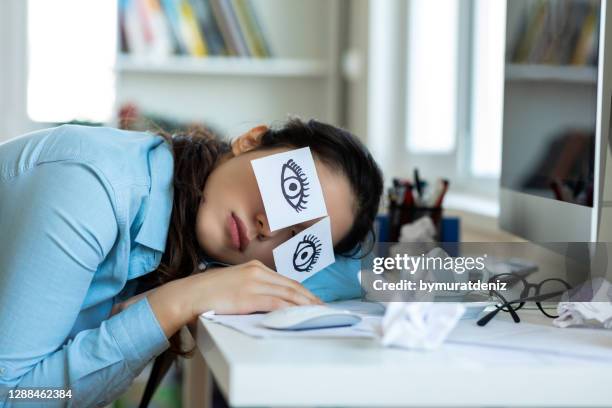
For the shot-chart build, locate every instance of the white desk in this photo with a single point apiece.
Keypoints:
(357, 372)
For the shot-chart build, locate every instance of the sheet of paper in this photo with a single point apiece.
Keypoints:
(501, 341)
(502, 332)
(289, 187)
(306, 253)
(249, 324)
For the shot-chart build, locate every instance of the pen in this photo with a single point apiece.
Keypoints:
(417, 182)
(442, 193)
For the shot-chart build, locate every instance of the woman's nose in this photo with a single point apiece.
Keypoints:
(263, 228)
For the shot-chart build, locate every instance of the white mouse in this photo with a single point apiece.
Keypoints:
(309, 317)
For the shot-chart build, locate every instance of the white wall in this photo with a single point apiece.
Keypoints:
(375, 67)
(13, 74)
(355, 67)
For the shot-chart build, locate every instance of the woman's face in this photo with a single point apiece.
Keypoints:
(231, 224)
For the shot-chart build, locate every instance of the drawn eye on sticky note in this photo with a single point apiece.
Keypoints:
(289, 187)
(306, 253)
(294, 185)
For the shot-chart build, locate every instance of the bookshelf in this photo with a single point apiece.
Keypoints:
(233, 93)
(223, 66)
(551, 73)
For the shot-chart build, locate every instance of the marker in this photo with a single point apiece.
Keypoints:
(408, 199)
(438, 203)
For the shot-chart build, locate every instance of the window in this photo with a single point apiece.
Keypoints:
(487, 87)
(71, 53)
(433, 41)
(443, 114)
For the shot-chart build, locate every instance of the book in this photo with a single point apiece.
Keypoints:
(572, 19)
(134, 37)
(145, 24)
(538, 38)
(586, 40)
(247, 29)
(162, 44)
(122, 33)
(230, 12)
(191, 30)
(172, 14)
(260, 36)
(209, 27)
(249, 22)
(198, 28)
(593, 58)
(230, 45)
(230, 30)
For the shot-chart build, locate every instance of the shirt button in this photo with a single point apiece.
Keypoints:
(1, 370)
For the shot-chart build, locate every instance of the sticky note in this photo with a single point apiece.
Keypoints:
(306, 253)
(289, 187)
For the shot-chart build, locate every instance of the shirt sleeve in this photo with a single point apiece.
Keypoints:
(339, 281)
(58, 224)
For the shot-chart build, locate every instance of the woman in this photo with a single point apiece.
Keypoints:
(92, 216)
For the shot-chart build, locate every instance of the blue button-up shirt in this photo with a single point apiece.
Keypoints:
(84, 211)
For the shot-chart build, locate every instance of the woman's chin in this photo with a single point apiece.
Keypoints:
(229, 256)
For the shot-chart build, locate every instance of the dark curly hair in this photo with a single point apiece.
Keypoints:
(342, 151)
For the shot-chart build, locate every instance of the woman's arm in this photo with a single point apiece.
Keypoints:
(57, 226)
(241, 289)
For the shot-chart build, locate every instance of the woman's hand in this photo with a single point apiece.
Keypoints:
(246, 288)
(240, 289)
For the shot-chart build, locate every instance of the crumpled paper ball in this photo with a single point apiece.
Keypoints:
(418, 325)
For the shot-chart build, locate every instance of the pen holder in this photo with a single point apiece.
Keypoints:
(400, 215)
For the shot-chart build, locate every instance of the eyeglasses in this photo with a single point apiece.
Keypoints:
(545, 290)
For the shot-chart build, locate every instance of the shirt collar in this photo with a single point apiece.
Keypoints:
(154, 230)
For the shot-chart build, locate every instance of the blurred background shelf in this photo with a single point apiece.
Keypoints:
(231, 91)
(552, 73)
(227, 66)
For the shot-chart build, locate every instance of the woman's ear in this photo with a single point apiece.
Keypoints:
(249, 140)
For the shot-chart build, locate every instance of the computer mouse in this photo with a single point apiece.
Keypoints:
(309, 317)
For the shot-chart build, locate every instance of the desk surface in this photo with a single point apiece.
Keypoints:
(358, 372)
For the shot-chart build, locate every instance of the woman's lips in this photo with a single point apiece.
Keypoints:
(243, 234)
(233, 232)
(238, 232)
